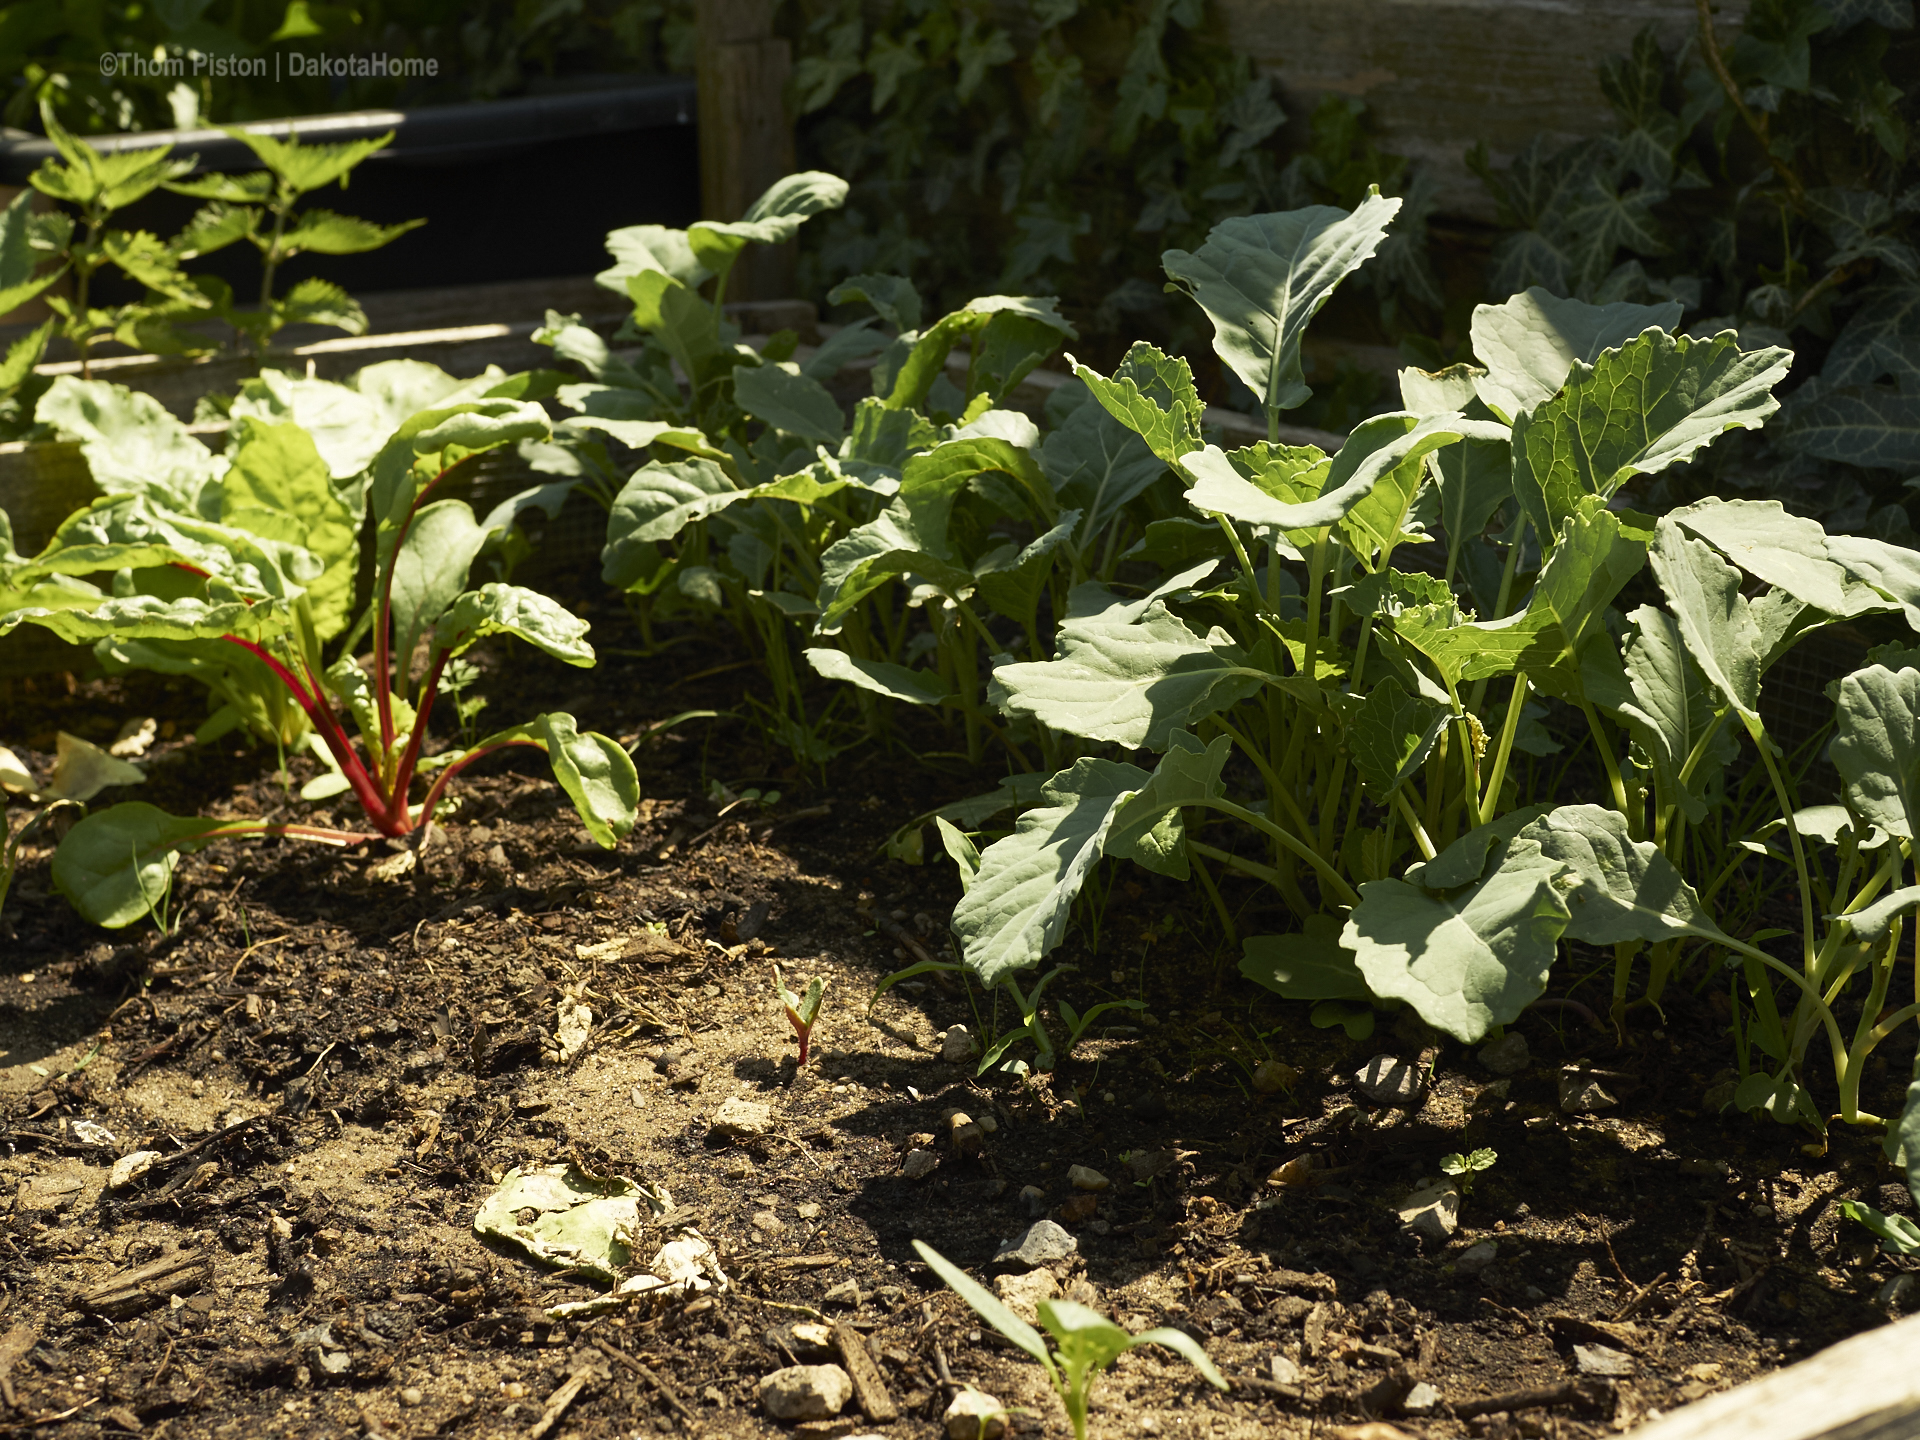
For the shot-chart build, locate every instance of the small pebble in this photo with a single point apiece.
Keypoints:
(1476, 1258)
(1508, 1055)
(1423, 1399)
(919, 1164)
(1284, 1371)
(808, 1211)
(1603, 1360)
(1083, 1178)
(1270, 1077)
(1032, 1196)
(975, 1415)
(411, 1396)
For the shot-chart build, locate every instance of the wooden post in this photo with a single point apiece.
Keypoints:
(746, 136)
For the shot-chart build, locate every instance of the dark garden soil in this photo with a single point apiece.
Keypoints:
(335, 1070)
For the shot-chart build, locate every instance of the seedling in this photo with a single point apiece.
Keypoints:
(1087, 1342)
(802, 1010)
(1464, 1167)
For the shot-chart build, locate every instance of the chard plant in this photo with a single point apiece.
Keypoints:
(1378, 710)
(1085, 1342)
(259, 557)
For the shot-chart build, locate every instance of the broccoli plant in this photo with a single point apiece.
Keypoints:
(1087, 1342)
(267, 580)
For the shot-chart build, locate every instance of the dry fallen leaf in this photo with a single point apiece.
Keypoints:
(81, 770)
(14, 776)
(135, 737)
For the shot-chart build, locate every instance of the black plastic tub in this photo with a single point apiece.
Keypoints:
(511, 189)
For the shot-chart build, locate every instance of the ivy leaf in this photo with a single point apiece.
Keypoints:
(1465, 960)
(1261, 278)
(1627, 889)
(1772, 48)
(1872, 425)
(1876, 747)
(1652, 403)
(1881, 341)
(1530, 343)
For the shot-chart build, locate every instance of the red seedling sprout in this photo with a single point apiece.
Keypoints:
(802, 1011)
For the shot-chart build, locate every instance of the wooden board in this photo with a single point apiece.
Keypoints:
(1866, 1388)
(1439, 75)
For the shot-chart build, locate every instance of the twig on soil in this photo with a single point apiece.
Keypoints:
(806, 1310)
(557, 1403)
(1567, 1392)
(665, 1391)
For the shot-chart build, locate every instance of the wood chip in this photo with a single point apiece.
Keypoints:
(15, 1343)
(869, 1387)
(145, 1285)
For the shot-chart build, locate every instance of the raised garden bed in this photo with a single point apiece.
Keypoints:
(1510, 1126)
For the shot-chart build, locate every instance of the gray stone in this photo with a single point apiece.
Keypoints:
(1035, 1199)
(1583, 1095)
(1285, 1372)
(1389, 1080)
(1476, 1258)
(1604, 1361)
(1432, 1211)
(975, 1415)
(1081, 1178)
(1044, 1243)
(919, 1164)
(1146, 1164)
(958, 1046)
(1422, 1399)
(846, 1293)
(743, 1119)
(1719, 1097)
(1508, 1055)
(806, 1392)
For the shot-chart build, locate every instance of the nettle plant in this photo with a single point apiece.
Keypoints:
(256, 554)
(903, 552)
(259, 207)
(1367, 790)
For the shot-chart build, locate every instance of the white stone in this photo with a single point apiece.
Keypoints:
(1603, 1360)
(1432, 1211)
(806, 1392)
(1422, 1399)
(1285, 1372)
(1083, 1178)
(958, 1046)
(129, 1168)
(743, 1119)
(975, 1415)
